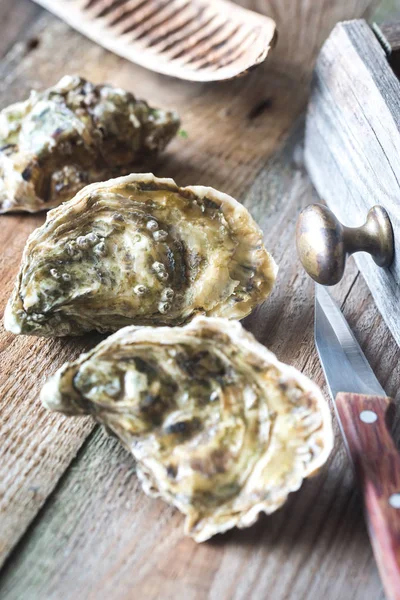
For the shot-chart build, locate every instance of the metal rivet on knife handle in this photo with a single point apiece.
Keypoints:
(368, 416)
(323, 243)
(394, 500)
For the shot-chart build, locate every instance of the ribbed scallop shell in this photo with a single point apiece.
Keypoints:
(199, 40)
(139, 250)
(219, 427)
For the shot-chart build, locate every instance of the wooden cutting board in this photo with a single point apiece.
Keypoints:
(74, 522)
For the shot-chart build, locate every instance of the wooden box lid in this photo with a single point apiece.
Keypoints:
(352, 143)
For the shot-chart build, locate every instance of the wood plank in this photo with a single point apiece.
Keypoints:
(304, 25)
(201, 159)
(100, 536)
(16, 18)
(353, 145)
(233, 129)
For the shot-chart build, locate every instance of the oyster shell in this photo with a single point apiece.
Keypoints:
(72, 134)
(219, 427)
(139, 250)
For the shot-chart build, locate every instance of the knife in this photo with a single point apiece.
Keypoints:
(361, 407)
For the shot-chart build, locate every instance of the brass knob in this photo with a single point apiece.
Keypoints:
(323, 243)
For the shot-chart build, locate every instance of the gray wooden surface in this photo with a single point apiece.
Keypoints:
(352, 145)
(74, 521)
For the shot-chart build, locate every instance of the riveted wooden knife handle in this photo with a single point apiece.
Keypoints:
(377, 466)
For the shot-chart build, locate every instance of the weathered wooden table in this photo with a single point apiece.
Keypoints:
(74, 521)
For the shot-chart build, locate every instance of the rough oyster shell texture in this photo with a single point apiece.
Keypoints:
(219, 427)
(72, 134)
(139, 250)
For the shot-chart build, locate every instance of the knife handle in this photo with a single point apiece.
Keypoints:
(377, 465)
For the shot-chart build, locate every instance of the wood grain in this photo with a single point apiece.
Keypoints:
(36, 447)
(303, 26)
(353, 144)
(98, 535)
(202, 160)
(377, 465)
(16, 16)
(100, 527)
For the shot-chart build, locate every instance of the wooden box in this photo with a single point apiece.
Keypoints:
(352, 143)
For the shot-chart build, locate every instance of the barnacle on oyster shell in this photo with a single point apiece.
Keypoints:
(219, 427)
(139, 250)
(72, 134)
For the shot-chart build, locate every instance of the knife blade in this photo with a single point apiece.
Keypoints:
(362, 409)
(345, 367)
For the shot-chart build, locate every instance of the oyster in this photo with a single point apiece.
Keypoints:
(72, 134)
(219, 427)
(139, 250)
